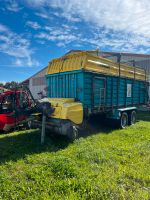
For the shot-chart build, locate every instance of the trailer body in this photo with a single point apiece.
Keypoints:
(97, 92)
(97, 85)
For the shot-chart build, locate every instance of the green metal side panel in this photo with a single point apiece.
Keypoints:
(121, 92)
(66, 85)
(97, 91)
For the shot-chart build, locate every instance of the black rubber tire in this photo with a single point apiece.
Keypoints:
(132, 118)
(29, 125)
(124, 120)
(73, 133)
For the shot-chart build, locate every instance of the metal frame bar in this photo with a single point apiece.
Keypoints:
(112, 91)
(118, 82)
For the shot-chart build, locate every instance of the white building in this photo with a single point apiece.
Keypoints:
(37, 84)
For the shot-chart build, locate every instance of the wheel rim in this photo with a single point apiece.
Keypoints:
(29, 124)
(133, 118)
(124, 120)
(75, 132)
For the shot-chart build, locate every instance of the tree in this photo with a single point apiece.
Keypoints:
(9, 85)
(1, 85)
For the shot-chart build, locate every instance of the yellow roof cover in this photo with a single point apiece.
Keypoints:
(89, 62)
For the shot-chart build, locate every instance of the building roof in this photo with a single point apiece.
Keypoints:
(110, 53)
(26, 80)
(127, 54)
(77, 51)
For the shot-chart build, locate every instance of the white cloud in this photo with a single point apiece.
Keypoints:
(122, 25)
(48, 28)
(117, 41)
(33, 25)
(126, 15)
(69, 16)
(43, 15)
(18, 62)
(25, 62)
(16, 46)
(98, 38)
(13, 6)
(61, 35)
(3, 28)
(36, 3)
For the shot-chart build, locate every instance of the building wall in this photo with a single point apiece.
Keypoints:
(37, 85)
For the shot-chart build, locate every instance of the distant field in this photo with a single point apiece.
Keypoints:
(112, 164)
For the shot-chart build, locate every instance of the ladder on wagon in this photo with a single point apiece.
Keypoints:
(99, 93)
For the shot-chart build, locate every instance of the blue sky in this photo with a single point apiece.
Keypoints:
(32, 32)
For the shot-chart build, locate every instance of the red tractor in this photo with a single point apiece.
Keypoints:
(15, 108)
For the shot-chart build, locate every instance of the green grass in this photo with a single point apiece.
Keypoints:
(113, 164)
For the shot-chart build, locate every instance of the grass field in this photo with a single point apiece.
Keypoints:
(112, 164)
